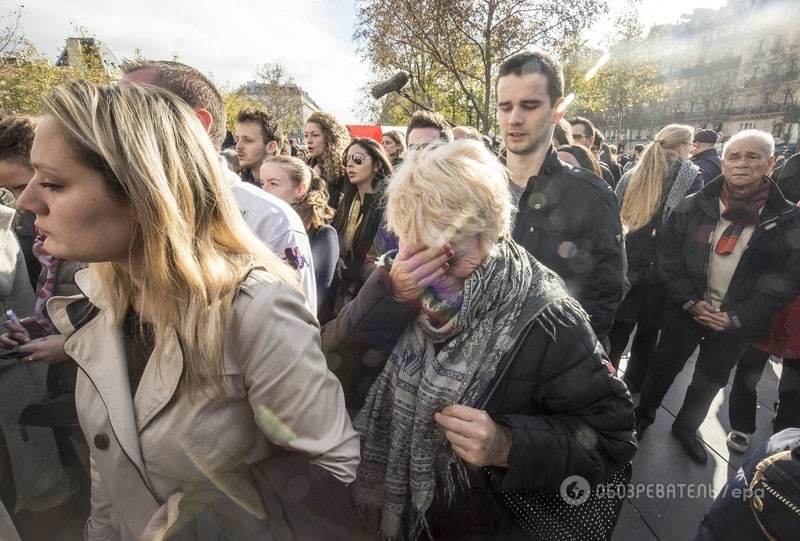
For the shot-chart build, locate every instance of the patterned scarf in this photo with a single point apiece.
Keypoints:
(683, 181)
(404, 453)
(741, 213)
(46, 291)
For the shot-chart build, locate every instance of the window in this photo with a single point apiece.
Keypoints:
(777, 130)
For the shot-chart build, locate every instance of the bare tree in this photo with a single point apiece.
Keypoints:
(281, 95)
(11, 36)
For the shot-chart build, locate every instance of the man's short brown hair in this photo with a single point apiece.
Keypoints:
(268, 125)
(539, 62)
(16, 139)
(191, 86)
(429, 119)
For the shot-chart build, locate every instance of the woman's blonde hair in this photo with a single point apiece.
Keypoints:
(450, 191)
(313, 206)
(191, 244)
(645, 189)
(336, 139)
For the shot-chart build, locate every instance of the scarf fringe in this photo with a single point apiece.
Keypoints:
(563, 312)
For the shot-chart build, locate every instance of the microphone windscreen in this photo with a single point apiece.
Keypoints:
(392, 84)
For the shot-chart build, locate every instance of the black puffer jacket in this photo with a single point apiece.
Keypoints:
(768, 275)
(569, 220)
(553, 391)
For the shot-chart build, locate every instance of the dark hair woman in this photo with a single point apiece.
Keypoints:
(326, 141)
(360, 214)
(581, 156)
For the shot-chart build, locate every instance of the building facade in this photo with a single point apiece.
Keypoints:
(729, 69)
(290, 104)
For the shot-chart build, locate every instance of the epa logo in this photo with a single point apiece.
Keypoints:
(575, 490)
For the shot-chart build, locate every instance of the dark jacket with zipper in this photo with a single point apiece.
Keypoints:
(552, 391)
(357, 264)
(569, 220)
(767, 276)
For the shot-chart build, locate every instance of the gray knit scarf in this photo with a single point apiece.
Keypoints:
(683, 181)
(403, 449)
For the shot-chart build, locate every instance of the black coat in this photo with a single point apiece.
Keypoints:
(553, 391)
(768, 275)
(569, 220)
(709, 163)
(788, 178)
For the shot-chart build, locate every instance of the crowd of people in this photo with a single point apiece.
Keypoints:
(356, 339)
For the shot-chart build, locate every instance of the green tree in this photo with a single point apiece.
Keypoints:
(27, 76)
(452, 48)
(623, 85)
(236, 102)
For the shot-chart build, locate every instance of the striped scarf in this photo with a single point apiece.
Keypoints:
(741, 213)
(404, 453)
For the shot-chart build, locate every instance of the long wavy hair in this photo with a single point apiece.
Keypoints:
(336, 139)
(313, 206)
(379, 155)
(645, 188)
(190, 242)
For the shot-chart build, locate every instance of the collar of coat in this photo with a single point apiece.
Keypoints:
(776, 205)
(96, 344)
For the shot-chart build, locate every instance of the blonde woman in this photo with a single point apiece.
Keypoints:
(181, 329)
(292, 181)
(326, 141)
(494, 368)
(647, 195)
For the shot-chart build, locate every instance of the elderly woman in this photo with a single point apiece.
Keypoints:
(493, 367)
(179, 376)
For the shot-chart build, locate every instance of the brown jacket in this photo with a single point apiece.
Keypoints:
(147, 447)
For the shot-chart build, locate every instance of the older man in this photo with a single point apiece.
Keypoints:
(730, 257)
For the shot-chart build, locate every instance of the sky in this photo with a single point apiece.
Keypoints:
(227, 39)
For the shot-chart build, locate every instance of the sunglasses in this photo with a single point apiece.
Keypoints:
(356, 158)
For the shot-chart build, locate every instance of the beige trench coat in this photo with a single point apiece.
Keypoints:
(147, 447)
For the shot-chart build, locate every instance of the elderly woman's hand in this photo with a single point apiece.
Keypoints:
(474, 436)
(417, 267)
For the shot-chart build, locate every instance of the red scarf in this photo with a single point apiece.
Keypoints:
(741, 213)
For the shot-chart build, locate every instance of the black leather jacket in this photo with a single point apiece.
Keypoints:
(569, 220)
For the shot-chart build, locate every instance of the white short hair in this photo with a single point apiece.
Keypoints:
(449, 192)
(765, 139)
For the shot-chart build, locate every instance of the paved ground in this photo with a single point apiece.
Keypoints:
(661, 461)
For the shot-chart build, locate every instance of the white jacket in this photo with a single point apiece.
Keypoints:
(278, 226)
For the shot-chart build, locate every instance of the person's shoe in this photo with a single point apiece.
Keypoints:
(691, 444)
(738, 442)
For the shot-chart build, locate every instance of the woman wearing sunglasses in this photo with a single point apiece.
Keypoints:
(360, 213)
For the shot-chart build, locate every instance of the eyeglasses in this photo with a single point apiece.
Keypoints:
(356, 158)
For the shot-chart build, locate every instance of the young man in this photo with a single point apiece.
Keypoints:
(257, 138)
(568, 218)
(584, 133)
(730, 260)
(272, 220)
(427, 127)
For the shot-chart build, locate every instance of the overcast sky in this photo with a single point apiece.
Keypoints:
(228, 38)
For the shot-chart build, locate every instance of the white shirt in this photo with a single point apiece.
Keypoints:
(278, 226)
(722, 267)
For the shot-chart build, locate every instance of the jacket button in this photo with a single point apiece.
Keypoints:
(101, 442)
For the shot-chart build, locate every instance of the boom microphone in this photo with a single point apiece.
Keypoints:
(393, 84)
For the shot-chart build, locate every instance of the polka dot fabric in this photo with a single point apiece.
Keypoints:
(548, 517)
